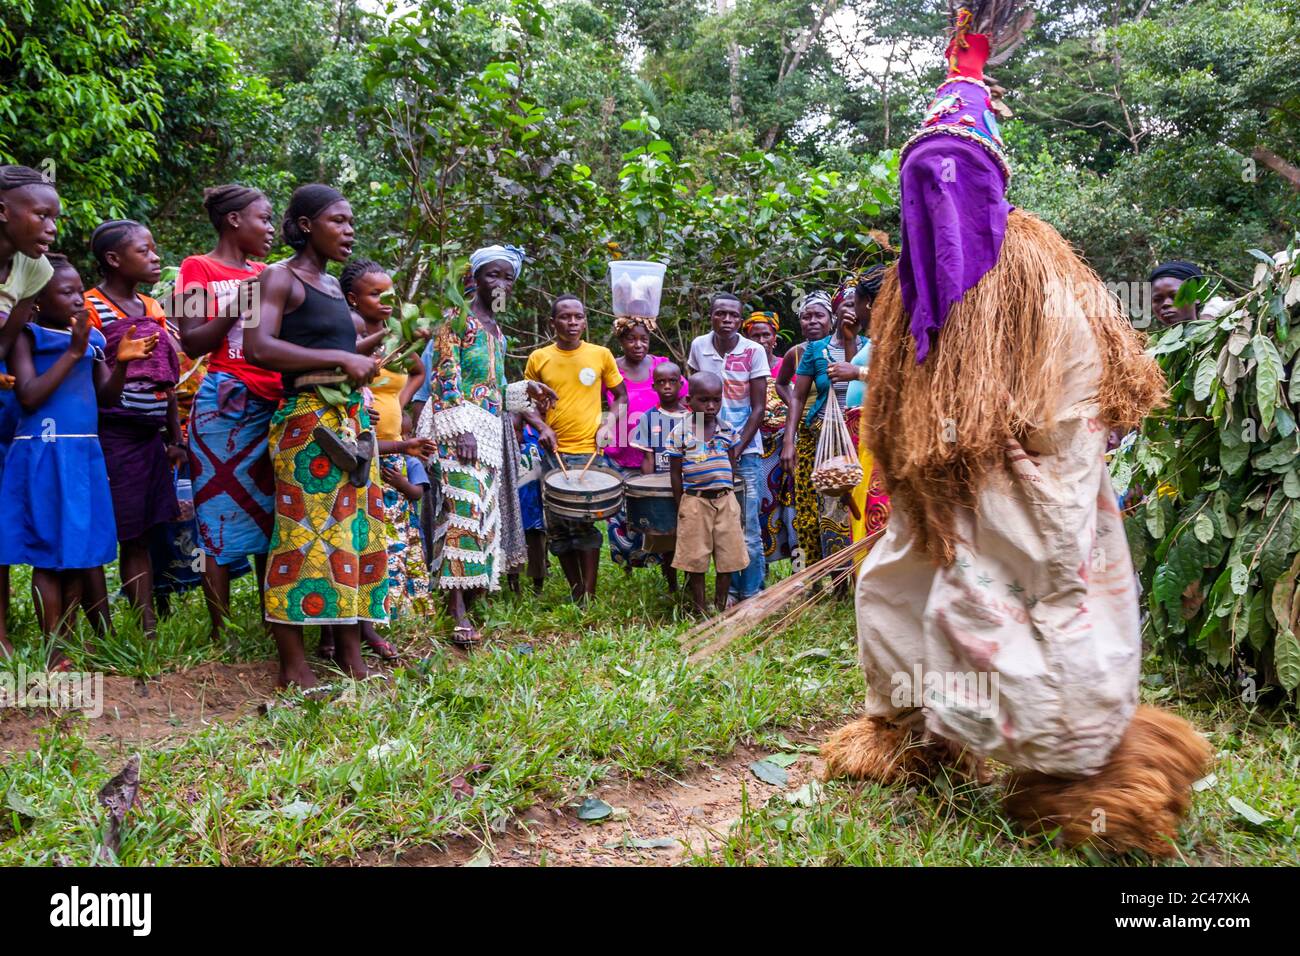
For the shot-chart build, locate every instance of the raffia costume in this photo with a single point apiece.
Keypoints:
(998, 616)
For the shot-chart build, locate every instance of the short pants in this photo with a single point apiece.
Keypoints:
(710, 527)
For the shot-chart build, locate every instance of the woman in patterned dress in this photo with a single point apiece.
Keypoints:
(463, 416)
(776, 509)
(327, 561)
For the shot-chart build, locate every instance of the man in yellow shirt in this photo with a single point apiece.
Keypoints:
(577, 371)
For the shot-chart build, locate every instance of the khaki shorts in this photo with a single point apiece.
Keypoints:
(710, 527)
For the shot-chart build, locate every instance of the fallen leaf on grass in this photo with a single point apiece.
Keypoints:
(807, 795)
(389, 748)
(769, 773)
(785, 743)
(1249, 813)
(593, 809)
(820, 653)
(781, 760)
(299, 810)
(659, 843)
(1205, 783)
(20, 805)
(482, 858)
(460, 787)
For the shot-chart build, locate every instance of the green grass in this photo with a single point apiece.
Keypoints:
(560, 699)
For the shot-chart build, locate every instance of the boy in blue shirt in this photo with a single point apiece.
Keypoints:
(700, 453)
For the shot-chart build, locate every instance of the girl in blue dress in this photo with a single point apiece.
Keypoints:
(54, 493)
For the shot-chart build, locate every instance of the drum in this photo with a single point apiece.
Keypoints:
(650, 505)
(591, 497)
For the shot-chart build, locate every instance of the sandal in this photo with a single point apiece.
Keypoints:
(385, 649)
(466, 635)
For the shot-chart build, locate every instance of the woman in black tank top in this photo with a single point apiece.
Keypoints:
(327, 563)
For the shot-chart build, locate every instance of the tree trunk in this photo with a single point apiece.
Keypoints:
(1288, 171)
(733, 63)
(796, 56)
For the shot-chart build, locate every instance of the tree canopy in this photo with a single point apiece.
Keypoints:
(753, 142)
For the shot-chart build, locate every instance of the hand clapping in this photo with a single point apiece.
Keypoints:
(130, 349)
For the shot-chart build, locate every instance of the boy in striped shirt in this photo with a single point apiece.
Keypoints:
(701, 452)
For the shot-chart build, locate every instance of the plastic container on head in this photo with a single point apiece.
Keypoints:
(636, 287)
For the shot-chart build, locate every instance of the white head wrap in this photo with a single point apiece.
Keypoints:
(511, 254)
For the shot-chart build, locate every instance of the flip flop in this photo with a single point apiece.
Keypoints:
(466, 641)
(386, 650)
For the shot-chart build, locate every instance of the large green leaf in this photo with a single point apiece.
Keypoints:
(1181, 568)
(1275, 550)
(1286, 658)
(1206, 374)
(1268, 373)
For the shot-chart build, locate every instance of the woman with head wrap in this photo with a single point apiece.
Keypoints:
(776, 502)
(327, 560)
(637, 366)
(465, 415)
(821, 523)
(1166, 279)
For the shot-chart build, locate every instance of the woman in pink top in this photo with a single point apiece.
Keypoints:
(637, 366)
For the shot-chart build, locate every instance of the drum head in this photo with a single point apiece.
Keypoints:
(650, 486)
(596, 481)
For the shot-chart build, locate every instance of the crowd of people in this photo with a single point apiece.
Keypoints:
(190, 438)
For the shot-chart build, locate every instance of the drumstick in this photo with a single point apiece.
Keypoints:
(588, 464)
(560, 458)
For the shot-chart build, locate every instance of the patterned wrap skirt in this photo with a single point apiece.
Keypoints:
(408, 577)
(328, 555)
(627, 546)
(465, 541)
(231, 468)
(776, 505)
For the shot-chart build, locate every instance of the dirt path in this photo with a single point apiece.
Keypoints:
(656, 821)
(694, 810)
(138, 711)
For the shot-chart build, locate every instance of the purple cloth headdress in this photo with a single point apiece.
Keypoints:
(953, 182)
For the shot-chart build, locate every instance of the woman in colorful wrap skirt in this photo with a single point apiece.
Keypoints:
(327, 559)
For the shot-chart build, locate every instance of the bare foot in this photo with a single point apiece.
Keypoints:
(349, 659)
(299, 675)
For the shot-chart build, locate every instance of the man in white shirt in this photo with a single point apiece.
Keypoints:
(742, 366)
